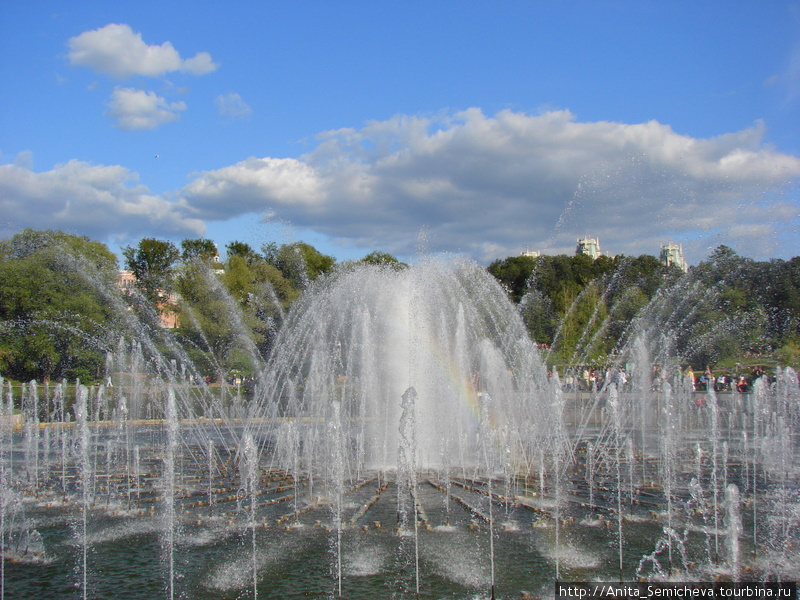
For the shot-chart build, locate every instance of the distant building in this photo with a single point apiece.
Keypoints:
(589, 246)
(126, 282)
(672, 256)
(216, 264)
(167, 302)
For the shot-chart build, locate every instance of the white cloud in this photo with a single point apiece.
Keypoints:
(24, 159)
(138, 109)
(96, 200)
(232, 105)
(200, 64)
(483, 185)
(250, 185)
(116, 50)
(489, 186)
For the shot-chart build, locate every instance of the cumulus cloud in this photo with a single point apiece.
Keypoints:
(24, 159)
(490, 186)
(101, 201)
(138, 109)
(246, 186)
(231, 105)
(119, 52)
(487, 186)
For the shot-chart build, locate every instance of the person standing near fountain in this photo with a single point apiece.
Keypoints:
(710, 379)
(690, 377)
(620, 378)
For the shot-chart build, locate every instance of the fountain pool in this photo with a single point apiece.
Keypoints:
(405, 440)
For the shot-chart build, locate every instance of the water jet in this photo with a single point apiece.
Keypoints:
(412, 397)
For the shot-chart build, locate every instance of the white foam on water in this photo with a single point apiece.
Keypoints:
(365, 561)
(569, 555)
(237, 573)
(125, 530)
(510, 526)
(453, 558)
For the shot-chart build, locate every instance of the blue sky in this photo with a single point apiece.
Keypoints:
(467, 127)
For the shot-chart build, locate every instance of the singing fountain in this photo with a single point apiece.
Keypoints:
(405, 440)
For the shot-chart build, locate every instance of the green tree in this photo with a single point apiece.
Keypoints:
(255, 281)
(262, 292)
(622, 310)
(57, 315)
(777, 286)
(539, 317)
(152, 263)
(726, 318)
(556, 278)
(382, 258)
(299, 262)
(577, 340)
(213, 328)
(242, 249)
(229, 319)
(198, 249)
(513, 274)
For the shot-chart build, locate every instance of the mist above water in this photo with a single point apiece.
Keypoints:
(444, 328)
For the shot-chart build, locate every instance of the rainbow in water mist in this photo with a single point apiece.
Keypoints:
(443, 327)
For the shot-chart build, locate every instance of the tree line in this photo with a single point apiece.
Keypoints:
(62, 313)
(727, 308)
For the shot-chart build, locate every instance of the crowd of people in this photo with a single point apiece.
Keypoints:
(725, 382)
(587, 378)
